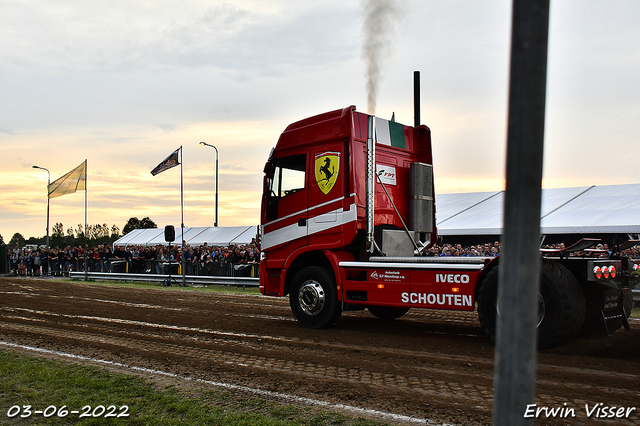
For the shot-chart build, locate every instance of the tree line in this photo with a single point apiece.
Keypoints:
(95, 234)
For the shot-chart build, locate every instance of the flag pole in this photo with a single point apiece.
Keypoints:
(86, 274)
(182, 220)
(168, 163)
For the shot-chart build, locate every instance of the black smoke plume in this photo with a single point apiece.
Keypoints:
(380, 19)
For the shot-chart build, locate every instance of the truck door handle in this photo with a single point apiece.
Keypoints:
(302, 222)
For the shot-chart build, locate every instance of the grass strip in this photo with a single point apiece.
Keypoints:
(158, 286)
(49, 385)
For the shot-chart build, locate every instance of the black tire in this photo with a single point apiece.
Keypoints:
(487, 303)
(387, 313)
(561, 304)
(313, 298)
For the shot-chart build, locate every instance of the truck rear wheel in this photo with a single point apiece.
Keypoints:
(561, 304)
(313, 298)
(387, 312)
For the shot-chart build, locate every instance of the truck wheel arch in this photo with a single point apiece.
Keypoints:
(309, 258)
(327, 259)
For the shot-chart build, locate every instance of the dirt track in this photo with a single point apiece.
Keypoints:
(432, 365)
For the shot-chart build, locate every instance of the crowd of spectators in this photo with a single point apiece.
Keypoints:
(458, 250)
(232, 260)
(493, 249)
(633, 252)
(599, 250)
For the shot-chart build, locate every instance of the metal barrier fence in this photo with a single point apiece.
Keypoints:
(175, 280)
(146, 266)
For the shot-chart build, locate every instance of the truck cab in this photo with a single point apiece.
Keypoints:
(314, 200)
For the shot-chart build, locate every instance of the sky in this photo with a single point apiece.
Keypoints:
(123, 84)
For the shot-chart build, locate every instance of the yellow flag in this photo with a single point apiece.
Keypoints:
(71, 182)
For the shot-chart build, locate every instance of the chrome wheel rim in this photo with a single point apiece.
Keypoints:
(311, 297)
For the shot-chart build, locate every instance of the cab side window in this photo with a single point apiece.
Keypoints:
(289, 176)
(286, 177)
(293, 174)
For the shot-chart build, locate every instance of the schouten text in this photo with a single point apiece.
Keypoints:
(437, 299)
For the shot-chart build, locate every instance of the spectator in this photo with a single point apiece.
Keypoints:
(188, 259)
(208, 265)
(37, 263)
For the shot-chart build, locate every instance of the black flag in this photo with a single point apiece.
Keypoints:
(169, 162)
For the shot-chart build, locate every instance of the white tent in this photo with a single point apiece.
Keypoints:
(136, 235)
(611, 209)
(194, 236)
(600, 209)
(218, 236)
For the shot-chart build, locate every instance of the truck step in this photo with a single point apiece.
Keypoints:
(427, 259)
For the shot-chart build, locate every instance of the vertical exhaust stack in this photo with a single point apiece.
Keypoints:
(370, 183)
(421, 198)
(416, 98)
(421, 180)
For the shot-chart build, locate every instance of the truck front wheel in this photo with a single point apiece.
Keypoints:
(561, 304)
(313, 298)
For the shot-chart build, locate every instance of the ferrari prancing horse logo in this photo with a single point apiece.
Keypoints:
(327, 167)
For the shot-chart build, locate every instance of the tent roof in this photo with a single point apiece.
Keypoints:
(582, 210)
(608, 209)
(194, 236)
(223, 236)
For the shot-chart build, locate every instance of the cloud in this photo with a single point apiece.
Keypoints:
(122, 36)
(93, 64)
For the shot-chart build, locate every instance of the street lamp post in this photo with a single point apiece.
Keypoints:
(48, 183)
(215, 223)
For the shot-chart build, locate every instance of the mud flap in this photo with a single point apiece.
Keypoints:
(614, 312)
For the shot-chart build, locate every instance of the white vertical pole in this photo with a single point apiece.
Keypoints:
(86, 196)
(182, 220)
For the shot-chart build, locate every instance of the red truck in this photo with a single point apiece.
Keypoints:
(347, 215)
